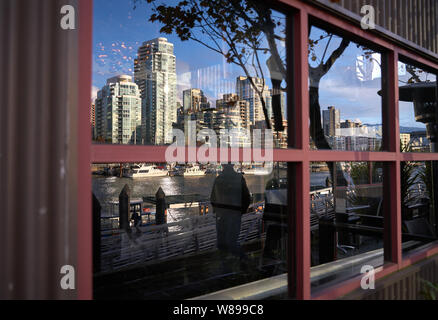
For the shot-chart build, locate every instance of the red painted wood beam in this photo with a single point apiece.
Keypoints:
(392, 190)
(302, 173)
(84, 222)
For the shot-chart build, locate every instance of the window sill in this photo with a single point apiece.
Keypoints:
(274, 286)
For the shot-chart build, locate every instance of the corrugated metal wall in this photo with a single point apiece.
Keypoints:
(413, 20)
(38, 90)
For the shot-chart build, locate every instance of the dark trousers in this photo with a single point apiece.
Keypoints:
(228, 224)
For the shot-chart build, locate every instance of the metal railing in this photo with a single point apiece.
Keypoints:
(156, 243)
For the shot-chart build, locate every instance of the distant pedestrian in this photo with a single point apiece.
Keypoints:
(137, 220)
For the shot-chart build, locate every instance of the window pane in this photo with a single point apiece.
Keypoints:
(193, 66)
(345, 106)
(346, 220)
(191, 229)
(419, 214)
(418, 107)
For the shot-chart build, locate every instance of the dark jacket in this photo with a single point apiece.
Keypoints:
(230, 192)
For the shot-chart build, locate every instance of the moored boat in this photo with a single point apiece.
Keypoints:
(145, 171)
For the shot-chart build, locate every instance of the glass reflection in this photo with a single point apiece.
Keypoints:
(418, 193)
(345, 107)
(346, 220)
(160, 66)
(184, 230)
(418, 107)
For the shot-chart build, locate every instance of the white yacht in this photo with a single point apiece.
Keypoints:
(261, 171)
(194, 171)
(256, 170)
(145, 171)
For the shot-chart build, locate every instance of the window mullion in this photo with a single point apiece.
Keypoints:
(300, 243)
(392, 189)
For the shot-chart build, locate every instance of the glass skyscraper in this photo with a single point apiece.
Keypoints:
(246, 91)
(155, 74)
(118, 117)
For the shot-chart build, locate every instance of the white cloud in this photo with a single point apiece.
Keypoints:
(355, 102)
(94, 91)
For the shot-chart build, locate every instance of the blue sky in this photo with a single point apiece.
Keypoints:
(117, 26)
(355, 93)
(118, 32)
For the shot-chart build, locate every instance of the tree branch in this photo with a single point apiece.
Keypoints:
(335, 55)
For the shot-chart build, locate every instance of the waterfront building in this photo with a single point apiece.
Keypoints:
(235, 110)
(233, 115)
(246, 91)
(118, 111)
(194, 101)
(405, 139)
(155, 74)
(280, 137)
(350, 124)
(179, 117)
(93, 120)
(331, 120)
(420, 142)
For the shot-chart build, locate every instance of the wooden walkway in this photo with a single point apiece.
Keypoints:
(158, 243)
(194, 235)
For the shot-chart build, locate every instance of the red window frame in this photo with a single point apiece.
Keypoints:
(300, 155)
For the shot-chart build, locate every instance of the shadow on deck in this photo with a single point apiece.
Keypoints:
(187, 276)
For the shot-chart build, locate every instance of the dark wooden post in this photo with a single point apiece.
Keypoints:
(96, 234)
(370, 172)
(434, 195)
(124, 208)
(327, 240)
(160, 214)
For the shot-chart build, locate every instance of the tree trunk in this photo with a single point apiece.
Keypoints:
(317, 131)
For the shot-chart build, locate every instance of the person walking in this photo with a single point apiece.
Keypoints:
(137, 220)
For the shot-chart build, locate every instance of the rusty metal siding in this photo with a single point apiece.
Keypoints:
(38, 62)
(415, 21)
